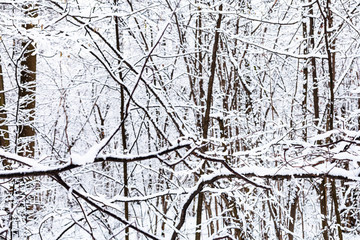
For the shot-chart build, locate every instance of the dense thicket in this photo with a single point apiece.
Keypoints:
(179, 119)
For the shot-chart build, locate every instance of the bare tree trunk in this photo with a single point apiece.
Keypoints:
(5, 142)
(25, 116)
(206, 119)
(323, 209)
(4, 130)
(27, 99)
(293, 208)
(330, 50)
(305, 81)
(123, 130)
(313, 67)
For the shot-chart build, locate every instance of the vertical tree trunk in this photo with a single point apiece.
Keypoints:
(25, 140)
(305, 80)
(4, 131)
(206, 119)
(313, 66)
(323, 209)
(329, 48)
(27, 90)
(199, 63)
(5, 142)
(293, 207)
(123, 130)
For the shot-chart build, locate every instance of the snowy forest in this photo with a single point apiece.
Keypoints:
(180, 119)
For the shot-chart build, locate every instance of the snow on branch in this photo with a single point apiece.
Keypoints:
(134, 158)
(323, 169)
(16, 158)
(37, 169)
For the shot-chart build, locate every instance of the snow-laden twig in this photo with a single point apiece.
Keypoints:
(23, 160)
(89, 157)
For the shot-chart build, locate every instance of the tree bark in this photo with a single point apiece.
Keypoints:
(4, 130)
(123, 130)
(206, 119)
(27, 99)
